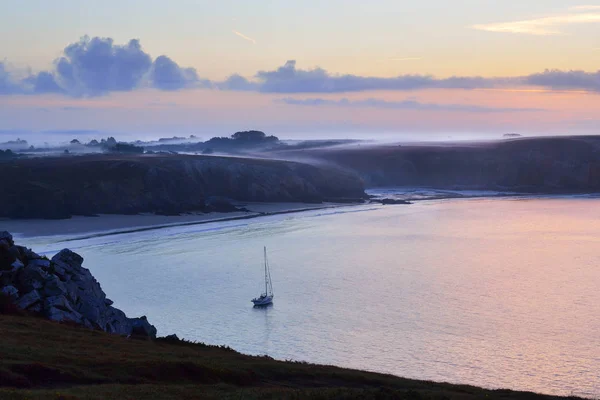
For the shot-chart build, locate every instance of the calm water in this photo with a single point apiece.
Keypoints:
(490, 292)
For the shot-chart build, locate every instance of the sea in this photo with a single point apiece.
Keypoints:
(487, 289)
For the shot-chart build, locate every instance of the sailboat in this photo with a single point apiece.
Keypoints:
(265, 298)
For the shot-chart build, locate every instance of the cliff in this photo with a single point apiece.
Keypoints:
(60, 289)
(59, 187)
(542, 165)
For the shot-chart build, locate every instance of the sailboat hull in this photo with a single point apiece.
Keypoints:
(263, 301)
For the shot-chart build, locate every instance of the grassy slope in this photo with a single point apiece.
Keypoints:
(42, 359)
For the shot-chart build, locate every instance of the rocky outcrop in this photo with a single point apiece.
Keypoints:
(61, 289)
(59, 187)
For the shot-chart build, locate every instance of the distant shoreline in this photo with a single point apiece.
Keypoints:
(113, 224)
(85, 227)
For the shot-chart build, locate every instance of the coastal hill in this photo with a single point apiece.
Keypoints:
(535, 165)
(62, 186)
(47, 360)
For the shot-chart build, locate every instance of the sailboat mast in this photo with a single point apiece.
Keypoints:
(266, 277)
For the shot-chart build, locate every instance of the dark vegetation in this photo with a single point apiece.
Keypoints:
(48, 360)
(125, 148)
(59, 187)
(239, 142)
(7, 154)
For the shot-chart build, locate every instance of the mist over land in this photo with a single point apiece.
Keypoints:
(176, 175)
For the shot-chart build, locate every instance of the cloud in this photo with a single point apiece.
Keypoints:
(288, 79)
(573, 80)
(7, 82)
(43, 82)
(245, 37)
(239, 83)
(549, 25)
(97, 66)
(401, 105)
(167, 75)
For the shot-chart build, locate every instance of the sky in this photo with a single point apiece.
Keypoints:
(298, 69)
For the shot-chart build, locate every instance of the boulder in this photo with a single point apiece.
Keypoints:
(31, 255)
(28, 300)
(54, 287)
(17, 265)
(62, 290)
(39, 262)
(68, 258)
(11, 292)
(6, 258)
(31, 277)
(57, 314)
(15, 252)
(4, 235)
(142, 327)
(59, 302)
(90, 311)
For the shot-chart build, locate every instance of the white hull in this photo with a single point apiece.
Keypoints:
(263, 301)
(266, 297)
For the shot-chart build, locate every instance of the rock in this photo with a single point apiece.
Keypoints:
(4, 235)
(31, 255)
(90, 311)
(15, 252)
(72, 291)
(36, 308)
(39, 262)
(62, 290)
(142, 327)
(172, 337)
(118, 321)
(59, 302)
(31, 277)
(57, 314)
(11, 292)
(28, 300)
(17, 265)
(69, 258)
(54, 287)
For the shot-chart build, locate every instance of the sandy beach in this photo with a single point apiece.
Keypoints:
(111, 224)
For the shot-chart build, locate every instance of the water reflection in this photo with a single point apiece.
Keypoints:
(495, 293)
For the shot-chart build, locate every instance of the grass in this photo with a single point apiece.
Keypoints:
(41, 359)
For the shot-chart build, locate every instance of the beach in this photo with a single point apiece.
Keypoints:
(115, 223)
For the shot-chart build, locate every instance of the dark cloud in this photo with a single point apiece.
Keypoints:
(401, 105)
(167, 75)
(556, 79)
